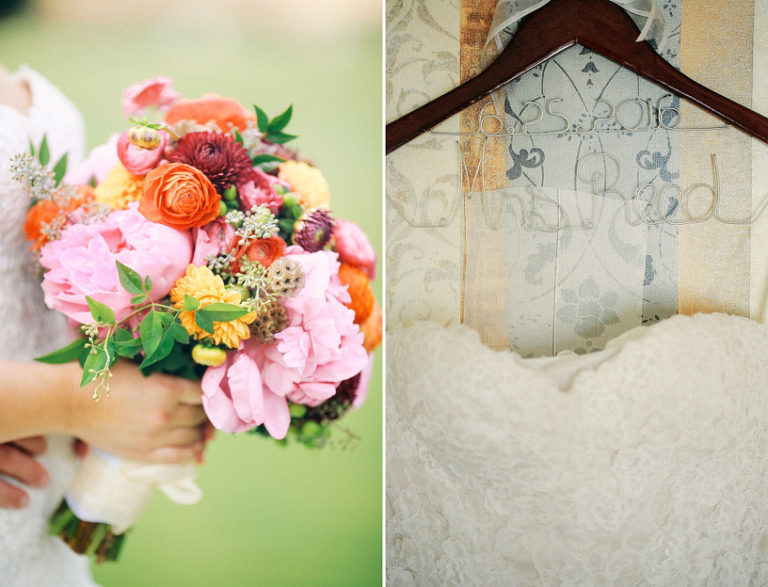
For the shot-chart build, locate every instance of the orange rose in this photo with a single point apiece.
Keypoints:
(266, 250)
(45, 211)
(225, 112)
(372, 328)
(179, 196)
(359, 290)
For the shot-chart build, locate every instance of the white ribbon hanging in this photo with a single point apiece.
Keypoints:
(115, 491)
(509, 12)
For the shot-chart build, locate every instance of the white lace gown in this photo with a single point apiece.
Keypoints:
(643, 464)
(28, 556)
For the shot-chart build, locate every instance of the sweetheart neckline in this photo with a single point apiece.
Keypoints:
(562, 370)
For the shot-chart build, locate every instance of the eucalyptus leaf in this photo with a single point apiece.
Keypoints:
(204, 321)
(280, 121)
(44, 156)
(65, 354)
(100, 312)
(279, 137)
(222, 312)
(191, 303)
(129, 278)
(262, 120)
(151, 331)
(60, 169)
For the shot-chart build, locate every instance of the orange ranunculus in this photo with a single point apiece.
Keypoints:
(359, 290)
(266, 250)
(372, 328)
(225, 112)
(45, 211)
(179, 196)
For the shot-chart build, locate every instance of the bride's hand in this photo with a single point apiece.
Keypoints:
(153, 419)
(17, 460)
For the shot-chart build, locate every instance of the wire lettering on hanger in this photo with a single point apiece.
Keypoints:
(632, 115)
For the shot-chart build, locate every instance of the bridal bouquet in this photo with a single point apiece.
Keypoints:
(198, 244)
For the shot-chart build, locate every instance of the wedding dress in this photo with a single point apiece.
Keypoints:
(28, 556)
(642, 464)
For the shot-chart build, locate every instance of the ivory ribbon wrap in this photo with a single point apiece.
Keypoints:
(114, 491)
(509, 12)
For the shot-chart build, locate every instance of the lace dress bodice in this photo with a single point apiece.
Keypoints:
(28, 556)
(643, 464)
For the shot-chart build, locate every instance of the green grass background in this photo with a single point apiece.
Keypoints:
(269, 515)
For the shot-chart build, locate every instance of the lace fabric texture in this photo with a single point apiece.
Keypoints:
(28, 556)
(643, 464)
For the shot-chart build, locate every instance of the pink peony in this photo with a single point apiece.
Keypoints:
(361, 392)
(100, 161)
(213, 239)
(82, 262)
(261, 190)
(354, 247)
(320, 348)
(236, 400)
(156, 92)
(137, 160)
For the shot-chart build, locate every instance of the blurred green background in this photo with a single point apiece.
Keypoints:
(270, 515)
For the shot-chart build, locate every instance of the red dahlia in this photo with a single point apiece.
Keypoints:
(224, 161)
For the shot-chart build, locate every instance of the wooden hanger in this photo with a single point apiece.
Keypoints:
(599, 25)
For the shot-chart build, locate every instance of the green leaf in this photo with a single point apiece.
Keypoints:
(129, 278)
(204, 321)
(60, 169)
(96, 361)
(239, 137)
(45, 154)
(151, 331)
(266, 158)
(162, 350)
(279, 137)
(180, 333)
(122, 334)
(147, 284)
(125, 344)
(262, 120)
(65, 354)
(191, 303)
(221, 312)
(128, 348)
(280, 121)
(138, 300)
(31, 148)
(100, 312)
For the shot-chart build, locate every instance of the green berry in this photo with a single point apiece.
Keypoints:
(289, 199)
(297, 410)
(223, 208)
(230, 193)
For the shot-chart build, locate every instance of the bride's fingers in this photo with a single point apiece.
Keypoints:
(173, 454)
(12, 497)
(188, 416)
(182, 437)
(19, 465)
(34, 445)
